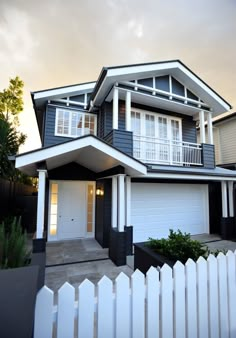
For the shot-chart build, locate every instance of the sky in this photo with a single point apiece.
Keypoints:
(52, 43)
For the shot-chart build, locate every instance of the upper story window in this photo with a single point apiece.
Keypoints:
(71, 123)
(153, 125)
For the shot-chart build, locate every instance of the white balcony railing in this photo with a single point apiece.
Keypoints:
(162, 151)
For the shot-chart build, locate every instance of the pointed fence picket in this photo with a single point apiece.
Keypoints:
(191, 300)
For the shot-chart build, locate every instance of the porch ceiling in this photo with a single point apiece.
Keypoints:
(87, 151)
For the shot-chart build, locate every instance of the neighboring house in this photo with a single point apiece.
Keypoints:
(120, 155)
(224, 136)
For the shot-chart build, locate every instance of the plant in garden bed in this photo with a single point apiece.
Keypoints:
(13, 248)
(179, 246)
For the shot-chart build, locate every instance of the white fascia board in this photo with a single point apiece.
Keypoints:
(64, 91)
(204, 87)
(142, 69)
(168, 66)
(47, 153)
(190, 177)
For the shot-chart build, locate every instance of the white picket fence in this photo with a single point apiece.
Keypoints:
(195, 300)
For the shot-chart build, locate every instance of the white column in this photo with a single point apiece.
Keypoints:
(128, 111)
(209, 128)
(128, 200)
(115, 108)
(121, 202)
(224, 199)
(41, 202)
(231, 198)
(114, 202)
(202, 127)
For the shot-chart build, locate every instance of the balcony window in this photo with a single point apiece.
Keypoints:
(70, 123)
(157, 139)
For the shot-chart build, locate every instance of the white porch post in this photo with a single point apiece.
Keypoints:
(41, 203)
(128, 200)
(224, 199)
(231, 198)
(209, 128)
(114, 202)
(115, 108)
(128, 111)
(202, 127)
(121, 202)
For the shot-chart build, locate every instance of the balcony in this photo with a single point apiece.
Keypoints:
(163, 151)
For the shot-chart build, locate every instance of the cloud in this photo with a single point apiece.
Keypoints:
(54, 43)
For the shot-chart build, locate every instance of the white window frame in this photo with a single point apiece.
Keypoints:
(143, 113)
(70, 119)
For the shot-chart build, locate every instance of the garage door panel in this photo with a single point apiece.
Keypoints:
(156, 208)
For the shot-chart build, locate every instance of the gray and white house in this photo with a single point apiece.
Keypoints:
(120, 159)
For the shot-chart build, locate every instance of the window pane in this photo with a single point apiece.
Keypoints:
(53, 199)
(54, 188)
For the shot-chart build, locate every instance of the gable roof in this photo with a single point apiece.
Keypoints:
(176, 68)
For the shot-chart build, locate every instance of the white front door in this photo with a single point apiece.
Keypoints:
(72, 209)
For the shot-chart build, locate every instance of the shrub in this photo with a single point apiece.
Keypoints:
(179, 246)
(13, 249)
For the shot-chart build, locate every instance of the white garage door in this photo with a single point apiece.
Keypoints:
(157, 207)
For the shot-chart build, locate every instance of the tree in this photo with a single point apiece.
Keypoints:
(10, 141)
(11, 101)
(11, 104)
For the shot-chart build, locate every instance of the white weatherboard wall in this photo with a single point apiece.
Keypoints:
(158, 207)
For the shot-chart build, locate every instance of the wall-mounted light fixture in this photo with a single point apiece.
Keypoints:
(99, 192)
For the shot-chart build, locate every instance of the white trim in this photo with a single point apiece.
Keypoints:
(67, 147)
(114, 202)
(121, 202)
(210, 128)
(68, 102)
(128, 200)
(115, 108)
(41, 202)
(169, 101)
(224, 199)
(190, 177)
(83, 113)
(231, 198)
(128, 111)
(64, 90)
(202, 126)
(167, 94)
(170, 66)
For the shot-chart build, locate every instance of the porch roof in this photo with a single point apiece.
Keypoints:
(174, 172)
(88, 151)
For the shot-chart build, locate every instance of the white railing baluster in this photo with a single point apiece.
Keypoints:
(162, 151)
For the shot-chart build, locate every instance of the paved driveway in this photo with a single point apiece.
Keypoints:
(74, 261)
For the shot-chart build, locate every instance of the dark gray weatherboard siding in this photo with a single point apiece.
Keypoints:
(121, 139)
(208, 156)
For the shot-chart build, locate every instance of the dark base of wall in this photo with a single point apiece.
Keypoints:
(129, 240)
(227, 227)
(144, 258)
(39, 245)
(120, 245)
(18, 291)
(117, 247)
(39, 259)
